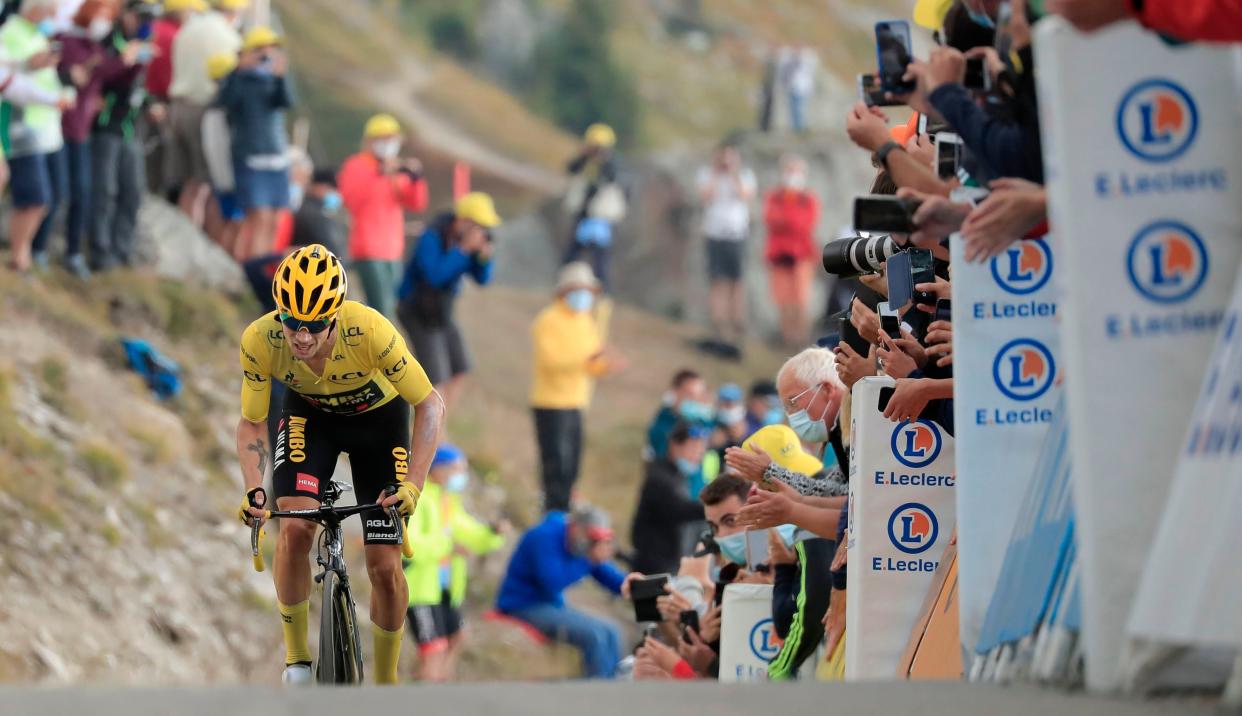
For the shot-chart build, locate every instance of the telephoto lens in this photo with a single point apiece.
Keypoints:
(858, 255)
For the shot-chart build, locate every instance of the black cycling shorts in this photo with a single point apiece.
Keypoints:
(433, 624)
(309, 441)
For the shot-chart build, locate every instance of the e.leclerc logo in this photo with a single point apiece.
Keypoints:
(1024, 369)
(1157, 120)
(763, 641)
(1167, 264)
(916, 443)
(1024, 267)
(912, 529)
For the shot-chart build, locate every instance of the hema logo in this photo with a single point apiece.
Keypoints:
(1157, 120)
(916, 444)
(1024, 267)
(1167, 262)
(913, 528)
(1024, 369)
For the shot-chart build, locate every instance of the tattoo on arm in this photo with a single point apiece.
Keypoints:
(259, 447)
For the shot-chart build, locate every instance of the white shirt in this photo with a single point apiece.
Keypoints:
(726, 216)
(201, 37)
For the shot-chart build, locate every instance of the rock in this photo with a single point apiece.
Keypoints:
(177, 250)
(53, 666)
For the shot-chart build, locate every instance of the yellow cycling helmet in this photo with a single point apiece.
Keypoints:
(310, 284)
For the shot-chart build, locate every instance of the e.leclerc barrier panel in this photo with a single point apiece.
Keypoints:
(901, 517)
(1141, 152)
(1006, 356)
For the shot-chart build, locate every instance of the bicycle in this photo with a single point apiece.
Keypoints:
(340, 650)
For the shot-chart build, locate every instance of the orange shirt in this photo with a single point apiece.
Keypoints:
(377, 206)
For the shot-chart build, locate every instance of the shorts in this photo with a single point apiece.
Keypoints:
(184, 159)
(30, 181)
(230, 208)
(724, 259)
(790, 283)
(260, 188)
(440, 351)
(309, 440)
(434, 624)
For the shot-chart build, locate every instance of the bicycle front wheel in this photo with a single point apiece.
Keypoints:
(340, 650)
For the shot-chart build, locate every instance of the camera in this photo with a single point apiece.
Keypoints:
(858, 255)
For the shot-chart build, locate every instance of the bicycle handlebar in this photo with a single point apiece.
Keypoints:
(315, 515)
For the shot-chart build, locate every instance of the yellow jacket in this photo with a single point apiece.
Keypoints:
(567, 344)
(439, 523)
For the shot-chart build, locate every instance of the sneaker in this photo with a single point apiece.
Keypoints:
(38, 261)
(76, 265)
(298, 674)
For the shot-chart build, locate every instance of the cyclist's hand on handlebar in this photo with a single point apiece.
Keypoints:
(253, 506)
(405, 498)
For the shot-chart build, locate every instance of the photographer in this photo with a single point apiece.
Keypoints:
(456, 244)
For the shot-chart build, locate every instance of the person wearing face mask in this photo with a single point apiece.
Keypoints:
(456, 245)
(665, 503)
(731, 426)
(378, 187)
(569, 354)
(443, 534)
(790, 213)
(317, 217)
(763, 406)
(688, 401)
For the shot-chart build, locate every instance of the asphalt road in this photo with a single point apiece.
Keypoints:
(586, 699)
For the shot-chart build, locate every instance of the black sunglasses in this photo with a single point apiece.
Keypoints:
(316, 326)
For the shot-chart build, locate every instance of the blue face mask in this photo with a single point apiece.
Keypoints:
(774, 416)
(686, 466)
(733, 547)
(457, 482)
(786, 533)
(46, 27)
(980, 18)
(807, 428)
(696, 412)
(332, 202)
(580, 300)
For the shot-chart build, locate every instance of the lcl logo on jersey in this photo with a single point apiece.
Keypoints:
(1024, 268)
(1167, 262)
(1024, 369)
(917, 443)
(912, 528)
(1157, 120)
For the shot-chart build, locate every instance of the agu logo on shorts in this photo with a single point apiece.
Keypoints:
(1024, 369)
(912, 528)
(1157, 120)
(763, 642)
(1024, 268)
(1167, 262)
(916, 444)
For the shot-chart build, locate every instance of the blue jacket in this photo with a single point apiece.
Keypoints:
(542, 568)
(255, 103)
(441, 267)
(1006, 146)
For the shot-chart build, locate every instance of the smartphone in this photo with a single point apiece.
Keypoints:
(948, 154)
(830, 341)
(852, 338)
(900, 279)
(944, 310)
(893, 52)
(977, 78)
(921, 125)
(886, 394)
(890, 322)
(884, 214)
(756, 549)
(922, 270)
(872, 94)
(688, 620)
(644, 591)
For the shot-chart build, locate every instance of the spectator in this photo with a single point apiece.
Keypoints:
(33, 136)
(255, 97)
(442, 534)
(686, 401)
(665, 503)
(191, 91)
(799, 81)
(218, 153)
(315, 221)
(553, 556)
(163, 32)
(378, 186)
(726, 188)
(595, 200)
(118, 166)
(19, 90)
(763, 406)
(723, 499)
(568, 353)
(456, 244)
(790, 213)
(812, 394)
(731, 427)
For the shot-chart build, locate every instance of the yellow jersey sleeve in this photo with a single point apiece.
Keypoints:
(393, 357)
(256, 368)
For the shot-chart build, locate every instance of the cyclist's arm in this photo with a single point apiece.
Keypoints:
(253, 452)
(408, 377)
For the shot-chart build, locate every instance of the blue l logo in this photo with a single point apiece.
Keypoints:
(1147, 112)
(911, 450)
(1016, 380)
(1015, 273)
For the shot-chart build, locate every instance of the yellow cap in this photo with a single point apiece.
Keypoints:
(220, 64)
(260, 36)
(477, 207)
(231, 4)
(930, 13)
(381, 125)
(185, 6)
(782, 444)
(601, 135)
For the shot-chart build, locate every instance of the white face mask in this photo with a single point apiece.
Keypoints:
(386, 148)
(99, 28)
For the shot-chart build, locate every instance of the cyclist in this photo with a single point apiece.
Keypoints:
(351, 381)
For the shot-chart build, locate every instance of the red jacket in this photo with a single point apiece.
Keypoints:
(1194, 20)
(159, 71)
(790, 216)
(377, 206)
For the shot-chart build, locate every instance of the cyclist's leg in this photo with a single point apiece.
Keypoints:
(378, 443)
(304, 457)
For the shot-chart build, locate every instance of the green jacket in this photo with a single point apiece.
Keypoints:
(440, 523)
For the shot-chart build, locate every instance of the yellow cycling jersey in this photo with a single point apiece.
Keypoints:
(370, 365)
